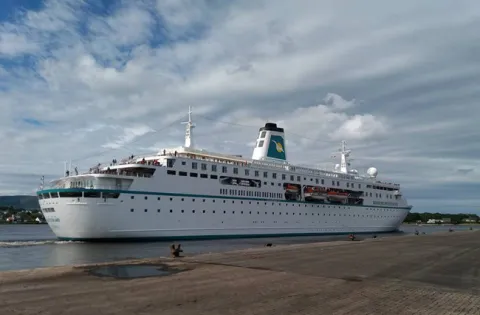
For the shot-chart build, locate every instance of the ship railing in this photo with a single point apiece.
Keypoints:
(118, 173)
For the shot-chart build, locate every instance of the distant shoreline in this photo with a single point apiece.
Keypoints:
(23, 223)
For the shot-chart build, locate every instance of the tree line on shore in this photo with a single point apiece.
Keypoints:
(457, 218)
(20, 215)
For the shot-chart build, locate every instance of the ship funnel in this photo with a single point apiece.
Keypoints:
(270, 143)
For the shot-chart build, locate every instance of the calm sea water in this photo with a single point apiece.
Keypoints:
(33, 246)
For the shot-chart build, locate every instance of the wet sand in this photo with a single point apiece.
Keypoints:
(424, 274)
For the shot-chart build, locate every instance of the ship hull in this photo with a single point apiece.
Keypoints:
(163, 216)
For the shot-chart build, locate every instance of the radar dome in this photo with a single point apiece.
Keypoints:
(372, 172)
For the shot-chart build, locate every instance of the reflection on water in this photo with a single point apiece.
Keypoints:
(33, 246)
(131, 271)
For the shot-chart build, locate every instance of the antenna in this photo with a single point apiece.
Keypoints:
(188, 130)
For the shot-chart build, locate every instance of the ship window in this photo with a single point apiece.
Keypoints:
(224, 169)
(284, 176)
(110, 195)
(260, 143)
(214, 168)
(54, 194)
(262, 135)
(184, 163)
(131, 210)
(274, 175)
(92, 194)
(292, 177)
(213, 176)
(194, 165)
(158, 198)
(257, 173)
(333, 183)
(146, 197)
(170, 162)
(203, 175)
(348, 185)
(146, 210)
(170, 172)
(193, 175)
(316, 180)
(359, 186)
(338, 183)
(158, 210)
(265, 174)
(40, 196)
(74, 194)
(247, 172)
(204, 167)
(235, 170)
(298, 178)
(182, 173)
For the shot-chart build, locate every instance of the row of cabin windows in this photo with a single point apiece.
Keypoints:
(78, 194)
(264, 194)
(280, 204)
(256, 173)
(181, 173)
(286, 213)
(284, 176)
(381, 187)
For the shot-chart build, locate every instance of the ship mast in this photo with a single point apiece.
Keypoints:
(189, 143)
(344, 160)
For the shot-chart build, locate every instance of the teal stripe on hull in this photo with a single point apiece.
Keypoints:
(135, 192)
(211, 237)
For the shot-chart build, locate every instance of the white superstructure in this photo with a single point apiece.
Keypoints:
(187, 192)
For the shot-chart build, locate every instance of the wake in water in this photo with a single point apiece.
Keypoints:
(24, 243)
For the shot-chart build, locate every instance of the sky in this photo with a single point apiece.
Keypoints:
(89, 81)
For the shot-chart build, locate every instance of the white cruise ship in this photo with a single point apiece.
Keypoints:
(189, 193)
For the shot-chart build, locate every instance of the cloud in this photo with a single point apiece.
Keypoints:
(129, 134)
(397, 81)
(12, 44)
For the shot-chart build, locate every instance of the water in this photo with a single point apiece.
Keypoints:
(131, 271)
(34, 246)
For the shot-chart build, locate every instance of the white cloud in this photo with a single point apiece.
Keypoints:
(398, 81)
(12, 44)
(129, 134)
